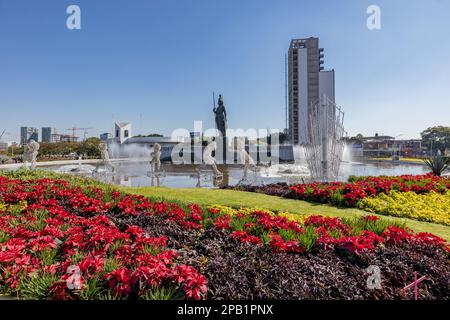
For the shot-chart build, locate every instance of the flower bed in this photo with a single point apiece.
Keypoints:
(293, 233)
(54, 238)
(64, 241)
(424, 195)
(431, 207)
(350, 193)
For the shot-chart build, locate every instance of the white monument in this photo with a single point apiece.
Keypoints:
(104, 154)
(155, 162)
(30, 154)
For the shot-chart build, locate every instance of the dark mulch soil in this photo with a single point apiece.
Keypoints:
(243, 271)
(280, 189)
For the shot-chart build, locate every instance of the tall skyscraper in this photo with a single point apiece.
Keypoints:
(46, 134)
(23, 135)
(27, 134)
(307, 82)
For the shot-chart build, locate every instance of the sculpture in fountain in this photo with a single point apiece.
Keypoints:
(104, 154)
(208, 159)
(325, 145)
(155, 162)
(244, 157)
(31, 152)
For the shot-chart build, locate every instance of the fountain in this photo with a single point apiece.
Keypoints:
(324, 145)
(105, 161)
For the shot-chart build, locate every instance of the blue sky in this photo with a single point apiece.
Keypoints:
(156, 62)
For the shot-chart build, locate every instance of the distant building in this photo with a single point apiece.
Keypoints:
(63, 138)
(385, 146)
(409, 148)
(307, 83)
(326, 84)
(123, 131)
(123, 144)
(46, 134)
(355, 149)
(27, 134)
(67, 138)
(105, 136)
(3, 146)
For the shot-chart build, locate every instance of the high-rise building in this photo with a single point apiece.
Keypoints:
(23, 135)
(27, 134)
(307, 82)
(46, 134)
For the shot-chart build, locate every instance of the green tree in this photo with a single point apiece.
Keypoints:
(436, 138)
(89, 147)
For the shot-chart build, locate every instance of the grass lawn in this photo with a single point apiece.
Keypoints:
(248, 199)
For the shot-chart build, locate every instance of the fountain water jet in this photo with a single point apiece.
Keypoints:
(325, 145)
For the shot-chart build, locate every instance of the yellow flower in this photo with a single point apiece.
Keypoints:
(431, 207)
(231, 211)
(223, 209)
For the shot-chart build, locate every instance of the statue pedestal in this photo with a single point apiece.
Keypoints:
(221, 150)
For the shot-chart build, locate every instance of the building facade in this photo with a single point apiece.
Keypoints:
(27, 134)
(123, 131)
(307, 83)
(105, 136)
(385, 147)
(46, 134)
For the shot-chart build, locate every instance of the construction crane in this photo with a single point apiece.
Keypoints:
(3, 133)
(77, 129)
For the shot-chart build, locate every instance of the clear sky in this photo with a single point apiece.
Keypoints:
(156, 62)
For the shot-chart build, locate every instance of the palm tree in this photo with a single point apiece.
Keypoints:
(438, 163)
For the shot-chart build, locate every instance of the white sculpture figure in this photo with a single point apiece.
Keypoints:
(199, 176)
(31, 152)
(208, 159)
(155, 162)
(158, 182)
(244, 156)
(104, 154)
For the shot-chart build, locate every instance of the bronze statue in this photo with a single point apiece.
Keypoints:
(221, 116)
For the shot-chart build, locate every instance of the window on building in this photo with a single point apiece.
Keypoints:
(126, 134)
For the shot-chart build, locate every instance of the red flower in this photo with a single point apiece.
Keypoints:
(244, 237)
(194, 284)
(120, 281)
(223, 222)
